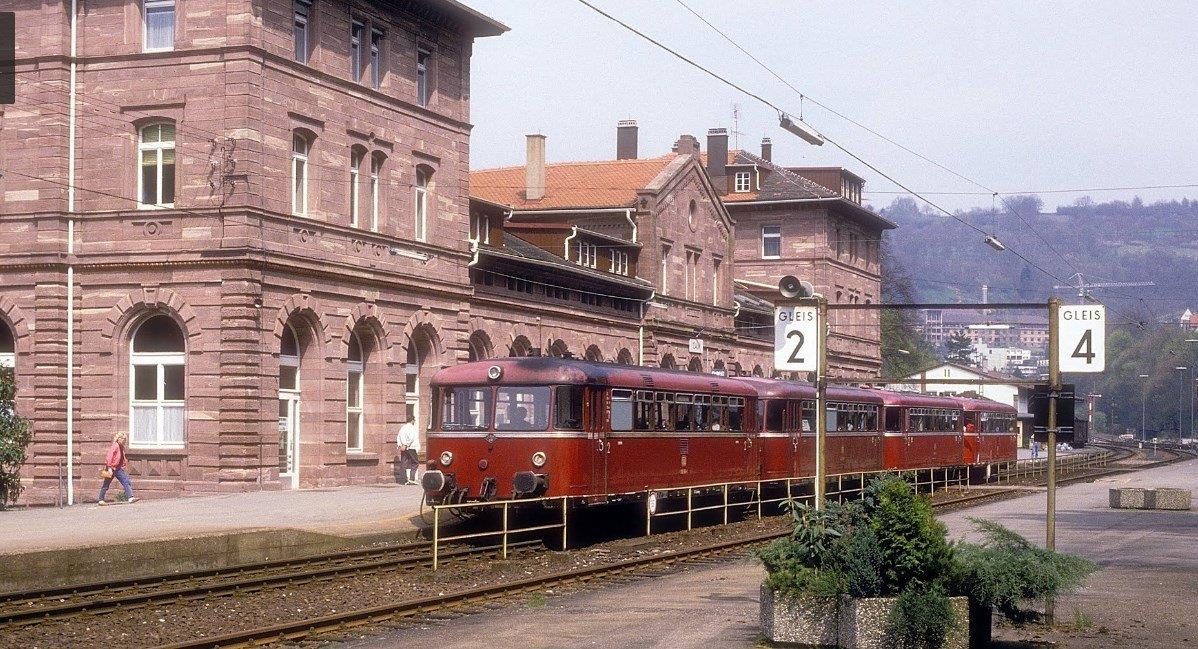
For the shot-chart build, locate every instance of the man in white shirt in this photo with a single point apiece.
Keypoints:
(408, 441)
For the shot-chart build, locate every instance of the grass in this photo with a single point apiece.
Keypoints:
(537, 601)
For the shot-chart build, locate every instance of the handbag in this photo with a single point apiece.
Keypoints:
(106, 473)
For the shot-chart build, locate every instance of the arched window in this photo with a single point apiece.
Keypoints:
(157, 361)
(593, 353)
(695, 365)
(355, 387)
(521, 346)
(301, 147)
(624, 357)
(717, 368)
(156, 152)
(376, 173)
(356, 155)
(424, 187)
(479, 346)
(558, 349)
(8, 346)
(758, 372)
(667, 362)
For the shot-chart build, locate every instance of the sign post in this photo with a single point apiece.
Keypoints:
(1076, 343)
(800, 345)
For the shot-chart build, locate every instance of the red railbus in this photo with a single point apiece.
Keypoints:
(989, 431)
(922, 430)
(521, 427)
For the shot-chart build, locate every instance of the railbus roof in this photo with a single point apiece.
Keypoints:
(545, 370)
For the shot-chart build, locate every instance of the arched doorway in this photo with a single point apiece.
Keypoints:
(717, 368)
(521, 346)
(418, 370)
(558, 349)
(593, 353)
(478, 347)
(695, 365)
(667, 362)
(624, 357)
(289, 407)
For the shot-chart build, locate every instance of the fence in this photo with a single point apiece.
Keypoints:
(782, 490)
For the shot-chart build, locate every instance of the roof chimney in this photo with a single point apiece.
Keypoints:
(717, 158)
(626, 136)
(767, 149)
(534, 168)
(687, 144)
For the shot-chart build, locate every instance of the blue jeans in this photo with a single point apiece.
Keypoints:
(121, 477)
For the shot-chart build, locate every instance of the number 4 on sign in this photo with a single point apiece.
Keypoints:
(1081, 338)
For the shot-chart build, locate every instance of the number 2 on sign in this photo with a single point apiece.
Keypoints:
(1085, 347)
(794, 354)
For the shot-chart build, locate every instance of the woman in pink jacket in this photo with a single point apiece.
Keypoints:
(114, 467)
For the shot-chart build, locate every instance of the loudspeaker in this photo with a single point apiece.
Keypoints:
(791, 287)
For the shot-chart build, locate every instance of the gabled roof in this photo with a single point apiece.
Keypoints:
(780, 183)
(571, 185)
(915, 376)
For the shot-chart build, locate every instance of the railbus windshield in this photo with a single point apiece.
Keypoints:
(510, 408)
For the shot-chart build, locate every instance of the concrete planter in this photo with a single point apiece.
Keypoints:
(1128, 498)
(843, 622)
(800, 621)
(1160, 498)
(1173, 499)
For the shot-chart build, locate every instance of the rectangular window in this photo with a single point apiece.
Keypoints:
(771, 242)
(522, 408)
(619, 262)
(665, 270)
(421, 213)
(376, 58)
(742, 182)
(586, 254)
(480, 228)
(715, 282)
(356, 31)
(353, 410)
(157, 416)
(299, 176)
(302, 10)
(159, 19)
(423, 59)
(465, 408)
(376, 167)
(775, 411)
(568, 407)
(353, 191)
(157, 178)
(621, 409)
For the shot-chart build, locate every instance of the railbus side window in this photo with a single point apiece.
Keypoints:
(736, 411)
(683, 412)
(465, 408)
(523, 408)
(568, 407)
(808, 411)
(621, 409)
(775, 411)
(893, 420)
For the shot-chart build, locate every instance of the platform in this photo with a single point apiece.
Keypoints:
(1142, 596)
(85, 542)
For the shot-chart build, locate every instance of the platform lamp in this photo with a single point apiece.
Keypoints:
(1143, 408)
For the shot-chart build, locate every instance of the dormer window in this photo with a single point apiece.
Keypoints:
(619, 262)
(742, 182)
(586, 254)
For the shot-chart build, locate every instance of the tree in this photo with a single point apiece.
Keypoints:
(959, 348)
(14, 440)
(903, 349)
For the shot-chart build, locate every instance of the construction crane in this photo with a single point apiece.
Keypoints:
(1083, 287)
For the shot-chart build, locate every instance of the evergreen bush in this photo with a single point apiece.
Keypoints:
(14, 440)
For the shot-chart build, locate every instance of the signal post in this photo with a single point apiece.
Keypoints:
(800, 321)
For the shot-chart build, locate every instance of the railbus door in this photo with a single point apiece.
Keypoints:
(619, 406)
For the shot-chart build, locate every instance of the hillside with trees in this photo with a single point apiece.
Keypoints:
(938, 259)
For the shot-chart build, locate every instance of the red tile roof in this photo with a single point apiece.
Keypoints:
(571, 185)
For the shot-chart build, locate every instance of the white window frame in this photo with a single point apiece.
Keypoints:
(376, 57)
(715, 281)
(480, 228)
(356, 30)
(771, 232)
(355, 374)
(665, 270)
(301, 11)
(411, 369)
(619, 262)
(420, 195)
(299, 159)
(355, 164)
(424, 59)
(160, 361)
(742, 182)
(376, 169)
(586, 255)
(151, 5)
(158, 148)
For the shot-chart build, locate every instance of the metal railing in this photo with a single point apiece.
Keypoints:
(798, 488)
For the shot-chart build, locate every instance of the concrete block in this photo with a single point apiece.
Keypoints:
(865, 624)
(804, 621)
(1173, 499)
(1128, 498)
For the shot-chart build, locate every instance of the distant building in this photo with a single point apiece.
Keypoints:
(1000, 359)
(929, 381)
(1189, 321)
(1005, 329)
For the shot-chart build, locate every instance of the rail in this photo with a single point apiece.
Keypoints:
(751, 495)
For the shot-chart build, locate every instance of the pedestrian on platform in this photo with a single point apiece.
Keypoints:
(115, 464)
(1035, 448)
(408, 441)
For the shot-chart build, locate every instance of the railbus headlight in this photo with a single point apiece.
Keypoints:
(538, 459)
(446, 458)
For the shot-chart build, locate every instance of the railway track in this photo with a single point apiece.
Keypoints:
(57, 603)
(53, 603)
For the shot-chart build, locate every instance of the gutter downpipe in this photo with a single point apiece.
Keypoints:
(640, 330)
(573, 233)
(71, 261)
(632, 222)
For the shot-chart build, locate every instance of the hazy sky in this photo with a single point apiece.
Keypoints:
(1017, 95)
